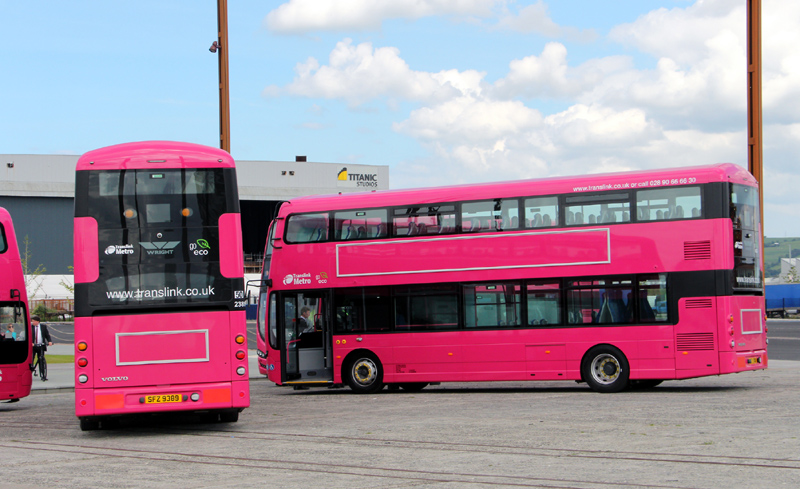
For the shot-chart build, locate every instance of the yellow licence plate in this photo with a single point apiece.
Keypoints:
(159, 399)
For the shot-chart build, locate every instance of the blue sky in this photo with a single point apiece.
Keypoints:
(442, 91)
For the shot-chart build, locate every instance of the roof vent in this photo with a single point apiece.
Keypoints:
(300, 159)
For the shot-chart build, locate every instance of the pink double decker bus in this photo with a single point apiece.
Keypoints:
(616, 280)
(15, 340)
(159, 278)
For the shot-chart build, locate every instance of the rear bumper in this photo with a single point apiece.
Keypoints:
(132, 400)
(730, 362)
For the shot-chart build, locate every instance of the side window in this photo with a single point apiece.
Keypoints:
(544, 303)
(368, 224)
(541, 212)
(669, 203)
(307, 228)
(603, 301)
(490, 215)
(492, 305)
(426, 307)
(424, 220)
(597, 209)
(652, 301)
(362, 310)
(273, 322)
(3, 243)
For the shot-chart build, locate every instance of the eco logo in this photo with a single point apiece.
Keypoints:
(203, 246)
(159, 247)
(126, 249)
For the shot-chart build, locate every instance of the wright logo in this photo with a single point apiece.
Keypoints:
(159, 247)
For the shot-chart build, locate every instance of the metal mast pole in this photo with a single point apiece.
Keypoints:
(224, 96)
(755, 151)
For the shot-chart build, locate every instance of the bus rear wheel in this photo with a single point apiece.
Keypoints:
(89, 424)
(605, 369)
(364, 373)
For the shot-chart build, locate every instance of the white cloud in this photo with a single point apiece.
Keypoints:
(302, 16)
(689, 108)
(362, 73)
(536, 19)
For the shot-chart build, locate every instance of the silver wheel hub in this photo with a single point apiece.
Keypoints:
(605, 369)
(365, 372)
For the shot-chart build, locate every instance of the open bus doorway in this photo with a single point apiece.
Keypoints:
(307, 338)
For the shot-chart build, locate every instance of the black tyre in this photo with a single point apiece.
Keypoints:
(605, 369)
(413, 386)
(229, 416)
(43, 368)
(89, 424)
(364, 373)
(640, 384)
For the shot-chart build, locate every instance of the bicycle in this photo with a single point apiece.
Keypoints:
(41, 361)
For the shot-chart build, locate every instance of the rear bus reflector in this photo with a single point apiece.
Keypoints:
(240, 355)
(82, 362)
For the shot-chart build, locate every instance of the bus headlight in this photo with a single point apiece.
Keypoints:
(240, 370)
(83, 378)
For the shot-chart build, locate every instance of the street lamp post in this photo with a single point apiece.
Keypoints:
(221, 46)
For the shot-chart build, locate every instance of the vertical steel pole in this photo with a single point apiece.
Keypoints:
(224, 103)
(754, 123)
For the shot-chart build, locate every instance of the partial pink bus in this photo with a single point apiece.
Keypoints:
(15, 342)
(616, 280)
(159, 278)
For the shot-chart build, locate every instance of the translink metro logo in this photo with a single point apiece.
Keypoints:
(159, 247)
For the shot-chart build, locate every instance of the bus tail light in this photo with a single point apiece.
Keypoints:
(82, 346)
(240, 355)
(240, 339)
(240, 370)
(82, 362)
(83, 378)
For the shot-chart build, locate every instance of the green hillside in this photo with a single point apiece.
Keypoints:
(777, 248)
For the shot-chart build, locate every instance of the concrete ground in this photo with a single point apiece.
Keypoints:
(731, 431)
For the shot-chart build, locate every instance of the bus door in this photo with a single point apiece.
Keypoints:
(15, 351)
(307, 338)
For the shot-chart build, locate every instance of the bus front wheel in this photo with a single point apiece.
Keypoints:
(605, 369)
(364, 373)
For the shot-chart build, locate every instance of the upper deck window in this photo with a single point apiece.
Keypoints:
(669, 203)
(490, 215)
(541, 212)
(307, 228)
(358, 224)
(142, 198)
(424, 220)
(597, 209)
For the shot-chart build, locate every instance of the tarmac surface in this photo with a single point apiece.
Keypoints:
(731, 431)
